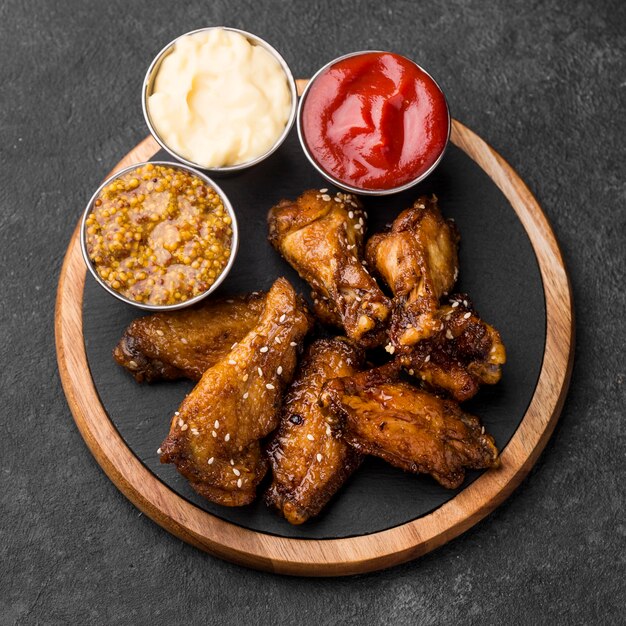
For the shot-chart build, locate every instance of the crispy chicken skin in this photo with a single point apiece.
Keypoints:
(214, 437)
(309, 462)
(458, 359)
(410, 428)
(184, 344)
(322, 238)
(418, 259)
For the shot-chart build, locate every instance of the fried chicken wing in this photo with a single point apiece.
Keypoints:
(322, 238)
(184, 344)
(465, 354)
(309, 462)
(418, 259)
(214, 437)
(410, 428)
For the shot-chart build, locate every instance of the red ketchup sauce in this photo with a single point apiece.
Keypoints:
(375, 121)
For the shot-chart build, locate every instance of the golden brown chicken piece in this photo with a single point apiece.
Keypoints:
(184, 344)
(458, 359)
(322, 238)
(407, 427)
(309, 462)
(214, 436)
(418, 259)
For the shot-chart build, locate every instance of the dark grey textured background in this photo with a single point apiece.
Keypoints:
(543, 82)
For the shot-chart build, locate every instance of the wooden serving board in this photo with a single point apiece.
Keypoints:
(338, 554)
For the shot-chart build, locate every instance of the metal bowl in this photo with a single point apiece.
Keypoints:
(254, 39)
(161, 307)
(335, 181)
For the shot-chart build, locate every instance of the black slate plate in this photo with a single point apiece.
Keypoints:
(498, 269)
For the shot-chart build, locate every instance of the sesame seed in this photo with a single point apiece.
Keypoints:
(319, 457)
(357, 227)
(390, 348)
(293, 344)
(133, 365)
(160, 333)
(176, 413)
(211, 460)
(482, 430)
(159, 451)
(310, 437)
(465, 303)
(269, 386)
(455, 304)
(195, 431)
(282, 318)
(323, 190)
(245, 395)
(326, 197)
(328, 431)
(260, 371)
(233, 346)
(213, 433)
(239, 483)
(277, 339)
(351, 214)
(227, 438)
(427, 358)
(361, 222)
(183, 340)
(180, 421)
(411, 372)
(236, 472)
(467, 316)
(232, 362)
(217, 424)
(449, 334)
(245, 377)
(279, 370)
(184, 427)
(232, 461)
(264, 349)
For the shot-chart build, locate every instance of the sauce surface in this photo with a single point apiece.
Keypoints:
(375, 121)
(219, 100)
(159, 235)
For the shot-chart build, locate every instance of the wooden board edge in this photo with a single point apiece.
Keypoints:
(337, 556)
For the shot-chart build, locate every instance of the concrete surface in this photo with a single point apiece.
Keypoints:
(543, 82)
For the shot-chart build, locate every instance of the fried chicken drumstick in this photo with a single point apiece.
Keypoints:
(410, 428)
(184, 344)
(309, 462)
(322, 238)
(214, 437)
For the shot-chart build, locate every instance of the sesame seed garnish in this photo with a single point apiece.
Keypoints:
(449, 334)
(455, 304)
(236, 472)
(233, 346)
(328, 430)
(239, 483)
(184, 427)
(293, 344)
(195, 431)
(264, 349)
(323, 190)
(282, 318)
(245, 395)
(319, 457)
(232, 461)
(211, 460)
(176, 412)
(357, 227)
(361, 222)
(159, 451)
(160, 333)
(427, 358)
(467, 316)
(279, 370)
(133, 365)
(411, 372)
(227, 438)
(245, 377)
(482, 430)
(351, 214)
(216, 424)
(260, 371)
(180, 421)
(310, 437)
(337, 199)
(465, 303)
(213, 433)
(326, 197)
(232, 362)
(390, 348)
(269, 386)
(277, 339)
(183, 340)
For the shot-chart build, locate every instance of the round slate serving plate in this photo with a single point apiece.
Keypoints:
(510, 265)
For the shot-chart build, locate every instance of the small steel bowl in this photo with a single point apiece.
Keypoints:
(234, 243)
(148, 83)
(335, 181)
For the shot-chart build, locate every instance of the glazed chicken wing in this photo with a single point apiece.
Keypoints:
(322, 238)
(407, 427)
(184, 344)
(214, 437)
(465, 354)
(418, 259)
(309, 462)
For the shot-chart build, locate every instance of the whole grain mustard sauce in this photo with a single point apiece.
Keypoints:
(218, 100)
(159, 235)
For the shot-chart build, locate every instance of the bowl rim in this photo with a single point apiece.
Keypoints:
(254, 39)
(234, 242)
(335, 181)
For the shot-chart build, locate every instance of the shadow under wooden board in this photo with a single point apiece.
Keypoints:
(510, 265)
